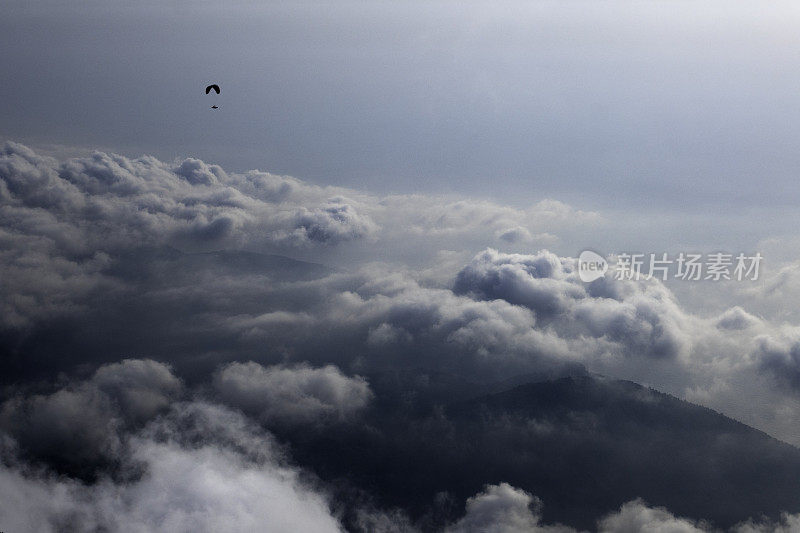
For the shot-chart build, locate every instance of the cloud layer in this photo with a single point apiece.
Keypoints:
(146, 328)
(74, 232)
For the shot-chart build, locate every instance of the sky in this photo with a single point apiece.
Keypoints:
(617, 104)
(373, 243)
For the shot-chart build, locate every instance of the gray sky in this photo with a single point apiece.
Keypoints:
(656, 105)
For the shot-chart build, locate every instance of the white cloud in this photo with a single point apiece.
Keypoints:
(291, 394)
(636, 517)
(503, 509)
(202, 468)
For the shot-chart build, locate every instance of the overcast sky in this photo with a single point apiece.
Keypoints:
(673, 105)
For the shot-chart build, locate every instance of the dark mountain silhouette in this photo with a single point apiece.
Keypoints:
(583, 444)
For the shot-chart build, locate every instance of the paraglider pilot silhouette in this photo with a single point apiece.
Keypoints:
(213, 87)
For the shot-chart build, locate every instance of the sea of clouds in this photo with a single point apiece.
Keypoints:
(143, 369)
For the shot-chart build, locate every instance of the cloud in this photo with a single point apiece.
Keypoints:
(787, 524)
(80, 425)
(539, 282)
(76, 425)
(336, 221)
(197, 172)
(141, 388)
(105, 256)
(371, 321)
(780, 358)
(184, 468)
(503, 509)
(643, 319)
(291, 394)
(737, 318)
(514, 235)
(60, 221)
(63, 222)
(636, 517)
(74, 232)
(201, 468)
(638, 330)
(374, 521)
(503, 314)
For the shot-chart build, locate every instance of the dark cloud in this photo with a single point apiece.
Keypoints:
(781, 359)
(140, 388)
(538, 282)
(77, 426)
(81, 424)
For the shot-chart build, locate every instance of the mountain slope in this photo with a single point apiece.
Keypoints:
(584, 445)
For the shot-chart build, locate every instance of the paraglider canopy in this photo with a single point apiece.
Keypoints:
(215, 87)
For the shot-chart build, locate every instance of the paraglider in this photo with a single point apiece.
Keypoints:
(213, 87)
